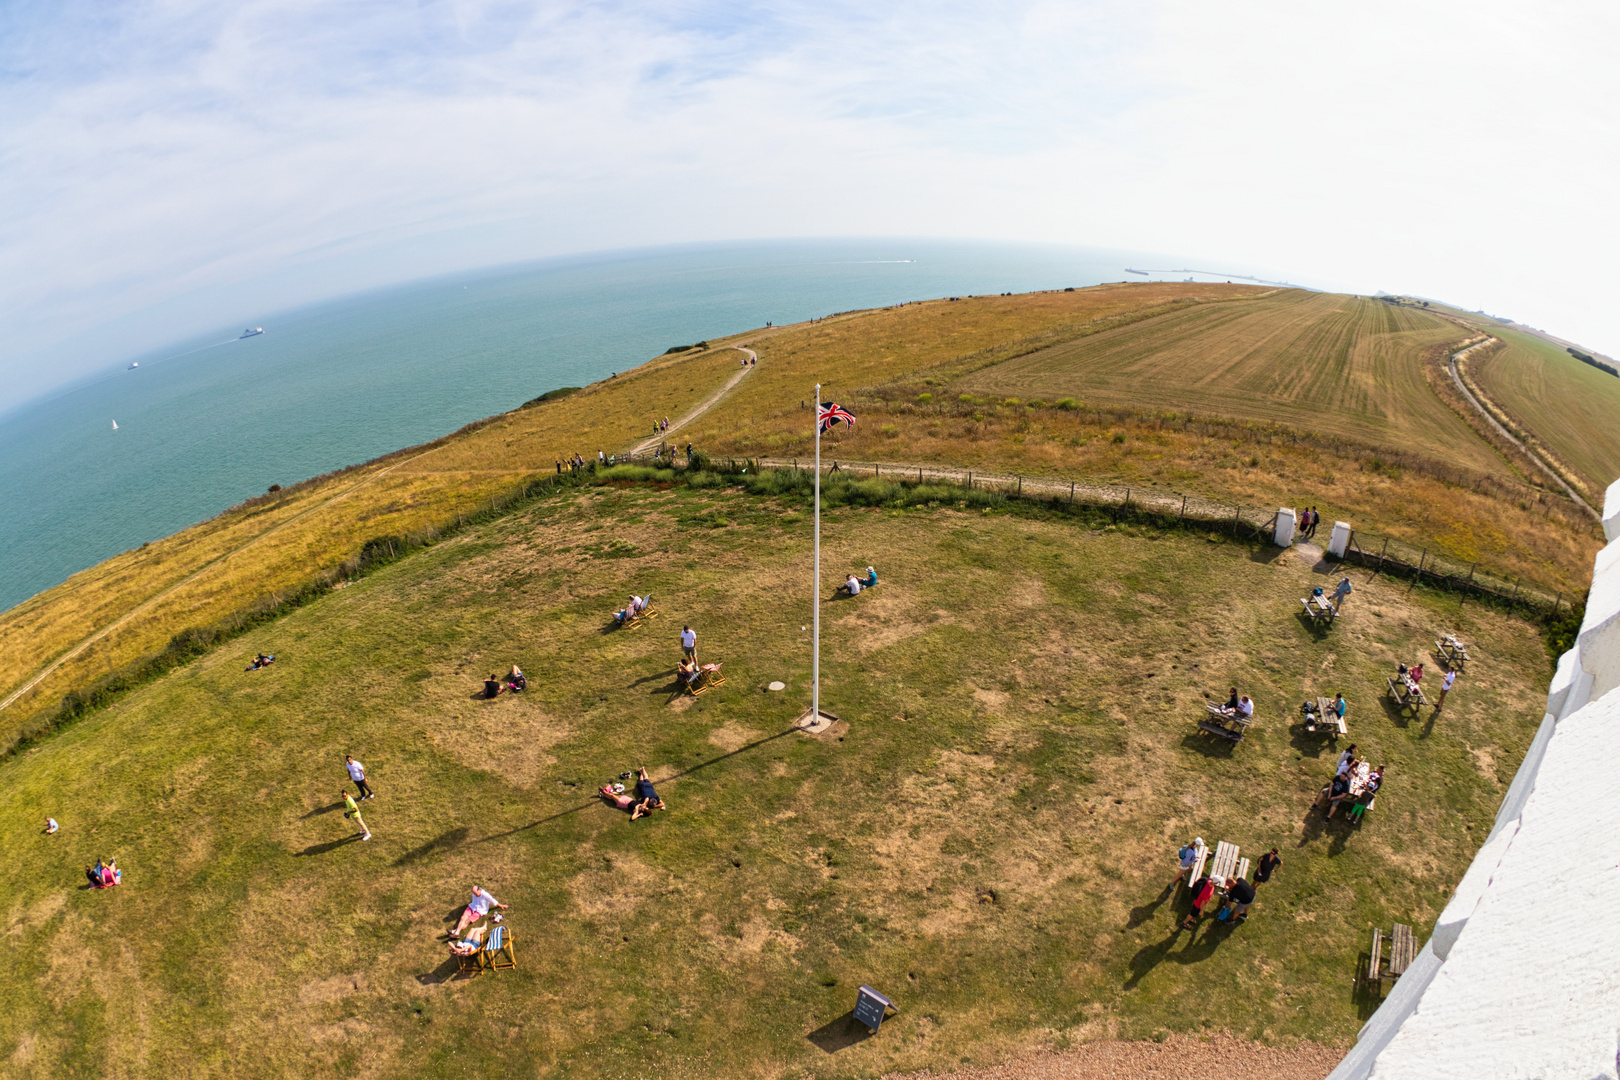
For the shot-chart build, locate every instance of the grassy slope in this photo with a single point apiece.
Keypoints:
(866, 358)
(317, 526)
(1004, 735)
(1572, 407)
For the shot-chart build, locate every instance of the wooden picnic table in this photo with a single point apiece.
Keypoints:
(1453, 652)
(1319, 608)
(1225, 864)
(1407, 694)
(1402, 952)
(1325, 718)
(1217, 721)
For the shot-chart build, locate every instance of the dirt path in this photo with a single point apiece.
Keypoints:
(1179, 1057)
(646, 445)
(151, 601)
(1456, 378)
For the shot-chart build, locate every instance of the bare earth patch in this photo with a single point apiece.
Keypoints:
(1179, 1057)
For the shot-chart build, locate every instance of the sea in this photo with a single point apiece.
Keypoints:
(206, 423)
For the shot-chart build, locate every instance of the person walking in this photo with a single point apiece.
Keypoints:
(1445, 688)
(1341, 591)
(353, 813)
(1268, 866)
(688, 643)
(357, 773)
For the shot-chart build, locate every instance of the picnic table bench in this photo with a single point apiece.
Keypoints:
(1324, 718)
(1198, 865)
(1218, 721)
(1405, 692)
(1225, 865)
(1402, 952)
(1319, 608)
(1453, 652)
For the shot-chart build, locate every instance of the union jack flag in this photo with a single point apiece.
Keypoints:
(834, 413)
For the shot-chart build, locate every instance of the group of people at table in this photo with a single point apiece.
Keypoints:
(1236, 892)
(1355, 782)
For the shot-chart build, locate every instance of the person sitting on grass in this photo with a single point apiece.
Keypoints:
(51, 826)
(492, 686)
(1368, 790)
(871, 578)
(105, 874)
(851, 585)
(516, 681)
(1203, 891)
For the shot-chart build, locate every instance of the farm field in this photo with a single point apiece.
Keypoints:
(1343, 366)
(986, 835)
(903, 370)
(1571, 407)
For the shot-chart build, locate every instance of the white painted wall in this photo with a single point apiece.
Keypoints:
(1284, 536)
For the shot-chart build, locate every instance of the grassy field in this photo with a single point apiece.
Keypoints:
(986, 836)
(1390, 461)
(1571, 407)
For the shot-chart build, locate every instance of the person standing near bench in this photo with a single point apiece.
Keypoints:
(1341, 591)
(1203, 891)
(1188, 855)
(353, 812)
(1239, 895)
(1445, 688)
(357, 773)
(689, 643)
(1268, 866)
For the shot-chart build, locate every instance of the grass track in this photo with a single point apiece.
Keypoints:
(1004, 736)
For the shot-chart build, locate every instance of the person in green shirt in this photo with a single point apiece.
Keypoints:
(353, 811)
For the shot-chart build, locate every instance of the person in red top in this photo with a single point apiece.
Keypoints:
(1203, 891)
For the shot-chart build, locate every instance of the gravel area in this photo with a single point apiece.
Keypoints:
(1180, 1057)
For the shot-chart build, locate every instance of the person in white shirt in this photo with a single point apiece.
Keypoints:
(357, 773)
(689, 643)
(852, 586)
(51, 826)
(1445, 688)
(476, 909)
(1245, 707)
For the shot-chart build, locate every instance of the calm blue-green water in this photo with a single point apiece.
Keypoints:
(208, 423)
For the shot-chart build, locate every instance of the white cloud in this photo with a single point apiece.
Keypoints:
(167, 167)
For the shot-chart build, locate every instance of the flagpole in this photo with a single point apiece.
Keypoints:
(815, 588)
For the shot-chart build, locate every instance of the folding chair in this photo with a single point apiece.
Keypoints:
(707, 680)
(472, 963)
(498, 952)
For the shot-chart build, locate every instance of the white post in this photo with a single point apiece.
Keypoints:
(815, 587)
(1284, 536)
(1339, 540)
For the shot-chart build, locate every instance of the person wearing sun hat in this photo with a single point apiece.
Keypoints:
(1188, 856)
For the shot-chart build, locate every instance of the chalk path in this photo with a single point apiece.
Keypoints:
(646, 445)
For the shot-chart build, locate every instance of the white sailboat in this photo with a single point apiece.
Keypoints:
(115, 425)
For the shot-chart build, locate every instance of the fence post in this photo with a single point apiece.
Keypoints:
(1516, 590)
(1557, 604)
(1020, 485)
(970, 479)
(1183, 516)
(919, 474)
(1421, 560)
(877, 471)
(1071, 492)
(1381, 555)
(1127, 497)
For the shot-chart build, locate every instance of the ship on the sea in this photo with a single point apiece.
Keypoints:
(252, 331)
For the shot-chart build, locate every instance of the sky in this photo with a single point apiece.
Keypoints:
(176, 166)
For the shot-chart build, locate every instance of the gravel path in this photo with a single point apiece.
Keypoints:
(1180, 1057)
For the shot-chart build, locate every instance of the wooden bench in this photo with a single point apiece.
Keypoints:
(1198, 865)
(1225, 864)
(1406, 695)
(1318, 609)
(1453, 653)
(709, 677)
(1402, 951)
(1219, 723)
(1243, 868)
(1326, 718)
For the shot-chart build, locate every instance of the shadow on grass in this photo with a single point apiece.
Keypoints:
(1202, 948)
(839, 1034)
(441, 974)
(667, 780)
(330, 845)
(1367, 994)
(1149, 957)
(1270, 553)
(1317, 628)
(448, 841)
(319, 810)
(1143, 912)
(1214, 746)
(1311, 743)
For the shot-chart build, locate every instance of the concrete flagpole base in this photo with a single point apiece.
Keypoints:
(814, 721)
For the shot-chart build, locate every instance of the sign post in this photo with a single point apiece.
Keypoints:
(871, 1008)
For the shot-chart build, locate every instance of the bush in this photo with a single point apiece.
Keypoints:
(924, 399)
(1068, 404)
(697, 461)
(1119, 436)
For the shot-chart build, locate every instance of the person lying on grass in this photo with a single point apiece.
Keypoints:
(516, 681)
(261, 661)
(104, 875)
(643, 802)
(476, 909)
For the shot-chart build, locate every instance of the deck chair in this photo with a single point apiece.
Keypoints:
(472, 963)
(498, 952)
(708, 680)
(642, 616)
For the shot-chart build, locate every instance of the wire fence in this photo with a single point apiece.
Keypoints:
(1382, 554)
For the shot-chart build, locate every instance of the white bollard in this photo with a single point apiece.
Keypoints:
(1340, 540)
(1284, 536)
